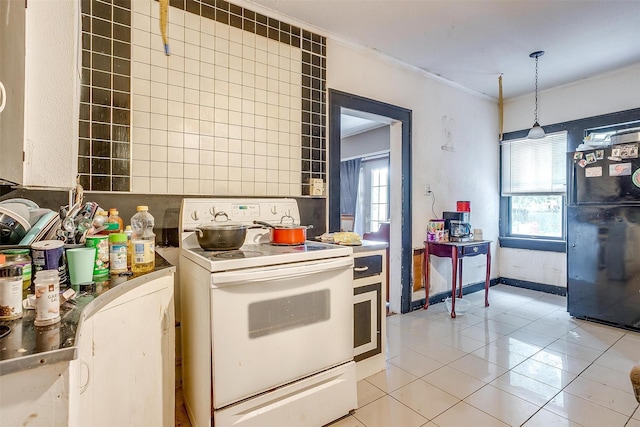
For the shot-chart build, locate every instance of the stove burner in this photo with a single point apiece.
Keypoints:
(235, 254)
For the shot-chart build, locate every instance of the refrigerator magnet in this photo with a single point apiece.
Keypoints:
(635, 178)
(615, 152)
(590, 158)
(629, 151)
(593, 171)
(577, 155)
(582, 163)
(620, 169)
(599, 154)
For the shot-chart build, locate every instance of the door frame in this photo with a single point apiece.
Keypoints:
(337, 101)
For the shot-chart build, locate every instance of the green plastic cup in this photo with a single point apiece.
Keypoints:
(81, 262)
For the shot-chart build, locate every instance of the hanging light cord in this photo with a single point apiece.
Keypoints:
(536, 119)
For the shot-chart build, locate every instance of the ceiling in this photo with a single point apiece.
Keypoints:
(472, 42)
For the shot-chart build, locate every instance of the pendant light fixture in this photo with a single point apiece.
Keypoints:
(536, 131)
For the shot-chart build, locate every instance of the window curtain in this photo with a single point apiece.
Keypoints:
(349, 180)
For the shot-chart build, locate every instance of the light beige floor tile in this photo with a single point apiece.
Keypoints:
(388, 412)
(526, 313)
(590, 336)
(525, 388)
(546, 374)
(500, 356)
(453, 382)
(502, 405)
(544, 418)
(575, 350)
(610, 377)
(636, 414)
(348, 421)
(502, 328)
(415, 363)
(391, 378)
(516, 345)
(532, 338)
(545, 329)
(440, 352)
(462, 343)
(424, 398)
(478, 368)
(603, 395)
(367, 393)
(633, 423)
(603, 330)
(561, 360)
(584, 412)
(464, 414)
(622, 355)
(480, 333)
(510, 319)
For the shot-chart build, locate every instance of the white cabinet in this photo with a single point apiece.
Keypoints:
(369, 312)
(12, 36)
(39, 52)
(125, 370)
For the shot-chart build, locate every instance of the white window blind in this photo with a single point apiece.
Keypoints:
(533, 166)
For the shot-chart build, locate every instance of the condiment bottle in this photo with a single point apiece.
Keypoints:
(22, 258)
(47, 290)
(142, 241)
(115, 217)
(129, 232)
(10, 290)
(117, 253)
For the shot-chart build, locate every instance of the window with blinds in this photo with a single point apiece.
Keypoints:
(533, 166)
(534, 185)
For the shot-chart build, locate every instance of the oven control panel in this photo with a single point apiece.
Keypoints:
(200, 211)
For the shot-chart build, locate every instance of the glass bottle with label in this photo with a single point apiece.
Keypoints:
(142, 241)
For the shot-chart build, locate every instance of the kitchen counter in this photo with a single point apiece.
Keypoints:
(28, 346)
(370, 245)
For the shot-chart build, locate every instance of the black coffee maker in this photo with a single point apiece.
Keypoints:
(458, 225)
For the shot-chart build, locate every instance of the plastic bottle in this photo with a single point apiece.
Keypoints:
(117, 253)
(129, 232)
(142, 241)
(114, 217)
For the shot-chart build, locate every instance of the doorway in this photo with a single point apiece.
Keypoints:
(400, 256)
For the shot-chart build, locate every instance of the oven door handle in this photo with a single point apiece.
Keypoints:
(231, 278)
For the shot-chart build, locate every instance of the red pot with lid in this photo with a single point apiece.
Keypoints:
(286, 234)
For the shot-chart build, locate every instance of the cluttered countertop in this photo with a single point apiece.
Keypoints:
(27, 346)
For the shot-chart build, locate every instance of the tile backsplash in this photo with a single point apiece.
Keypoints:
(238, 108)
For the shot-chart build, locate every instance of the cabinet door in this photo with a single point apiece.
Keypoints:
(367, 321)
(12, 59)
(132, 369)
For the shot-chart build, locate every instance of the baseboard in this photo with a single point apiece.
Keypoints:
(439, 297)
(534, 286)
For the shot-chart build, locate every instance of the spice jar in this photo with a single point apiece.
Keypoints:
(47, 290)
(21, 257)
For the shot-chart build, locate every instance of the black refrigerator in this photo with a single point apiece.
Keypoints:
(603, 235)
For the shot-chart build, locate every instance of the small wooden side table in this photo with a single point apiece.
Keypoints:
(456, 251)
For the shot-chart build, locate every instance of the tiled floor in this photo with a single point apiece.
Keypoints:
(521, 361)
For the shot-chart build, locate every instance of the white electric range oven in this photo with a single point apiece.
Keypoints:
(267, 331)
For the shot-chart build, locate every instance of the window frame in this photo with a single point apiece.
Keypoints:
(519, 241)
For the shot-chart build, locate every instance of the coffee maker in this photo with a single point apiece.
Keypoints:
(457, 223)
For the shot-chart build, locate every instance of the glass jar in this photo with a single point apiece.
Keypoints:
(47, 290)
(22, 258)
(10, 290)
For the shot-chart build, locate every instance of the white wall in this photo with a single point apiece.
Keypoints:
(607, 93)
(468, 173)
(362, 144)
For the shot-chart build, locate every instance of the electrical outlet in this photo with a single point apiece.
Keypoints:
(427, 189)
